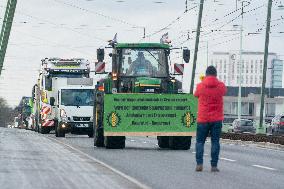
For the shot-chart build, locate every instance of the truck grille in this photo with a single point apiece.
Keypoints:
(81, 118)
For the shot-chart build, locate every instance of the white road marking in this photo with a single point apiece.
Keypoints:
(194, 152)
(265, 148)
(227, 159)
(132, 140)
(206, 154)
(131, 179)
(144, 142)
(264, 167)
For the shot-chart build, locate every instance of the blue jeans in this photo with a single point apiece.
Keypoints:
(203, 130)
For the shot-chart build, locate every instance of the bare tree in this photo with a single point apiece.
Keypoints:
(6, 113)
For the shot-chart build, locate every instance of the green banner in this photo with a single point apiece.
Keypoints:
(154, 113)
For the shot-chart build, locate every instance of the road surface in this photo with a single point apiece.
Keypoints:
(71, 161)
(32, 161)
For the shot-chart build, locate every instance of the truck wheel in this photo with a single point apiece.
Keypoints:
(59, 132)
(180, 142)
(114, 142)
(44, 130)
(36, 126)
(99, 138)
(163, 141)
(91, 135)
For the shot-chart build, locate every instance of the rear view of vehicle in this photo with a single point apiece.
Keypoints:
(243, 125)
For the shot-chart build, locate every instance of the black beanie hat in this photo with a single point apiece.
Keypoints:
(211, 71)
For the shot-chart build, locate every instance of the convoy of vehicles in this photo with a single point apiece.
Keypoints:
(141, 98)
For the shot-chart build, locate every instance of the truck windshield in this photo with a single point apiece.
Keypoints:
(143, 62)
(77, 97)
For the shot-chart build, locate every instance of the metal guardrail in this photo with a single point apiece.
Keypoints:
(254, 137)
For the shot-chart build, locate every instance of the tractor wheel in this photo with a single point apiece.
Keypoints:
(99, 137)
(114, 142)
(180, 142)
(163, 141)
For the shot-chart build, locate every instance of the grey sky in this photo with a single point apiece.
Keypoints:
(76, 28)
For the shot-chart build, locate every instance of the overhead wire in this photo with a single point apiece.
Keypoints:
(98, 14)
(170, 24)
(225, 24)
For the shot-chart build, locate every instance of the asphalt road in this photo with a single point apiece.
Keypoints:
(29, 160)
(241, 166)
(141, 162)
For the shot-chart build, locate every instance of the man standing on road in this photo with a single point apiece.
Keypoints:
(210, 115)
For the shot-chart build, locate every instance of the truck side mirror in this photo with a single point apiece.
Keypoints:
(186, 55)
(52, 101)
(100, 55)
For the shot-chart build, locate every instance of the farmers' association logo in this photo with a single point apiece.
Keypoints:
(188, 119)
(113, 119)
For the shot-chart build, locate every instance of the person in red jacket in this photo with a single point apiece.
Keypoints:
(210, 115)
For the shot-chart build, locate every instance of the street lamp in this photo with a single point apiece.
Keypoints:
(241, 62)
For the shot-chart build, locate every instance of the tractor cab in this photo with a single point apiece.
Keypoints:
(140, 68)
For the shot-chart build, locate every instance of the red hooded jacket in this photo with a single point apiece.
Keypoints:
(210, 94)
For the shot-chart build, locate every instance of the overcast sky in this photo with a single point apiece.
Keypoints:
(76, 28)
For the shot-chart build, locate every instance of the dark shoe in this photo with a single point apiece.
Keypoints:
(214, 169)
(199, 168)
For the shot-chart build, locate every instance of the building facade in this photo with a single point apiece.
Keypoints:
(274, 103)
(277, 74)
(229, 67)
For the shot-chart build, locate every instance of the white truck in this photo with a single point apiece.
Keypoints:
(72, 107)
(45, 89)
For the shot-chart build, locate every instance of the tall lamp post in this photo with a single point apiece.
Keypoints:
(241, 62)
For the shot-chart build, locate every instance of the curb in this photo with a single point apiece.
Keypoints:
(266, 145)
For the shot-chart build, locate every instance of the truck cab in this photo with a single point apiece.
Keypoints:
(73, 107)
(52, 71)
(141, 68)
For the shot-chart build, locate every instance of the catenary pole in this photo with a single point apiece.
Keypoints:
(196, 45)
(6, 29)
(265, 62)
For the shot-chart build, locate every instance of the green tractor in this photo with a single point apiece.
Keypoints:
(141, 98)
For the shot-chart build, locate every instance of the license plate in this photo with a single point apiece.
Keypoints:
(82, 125)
